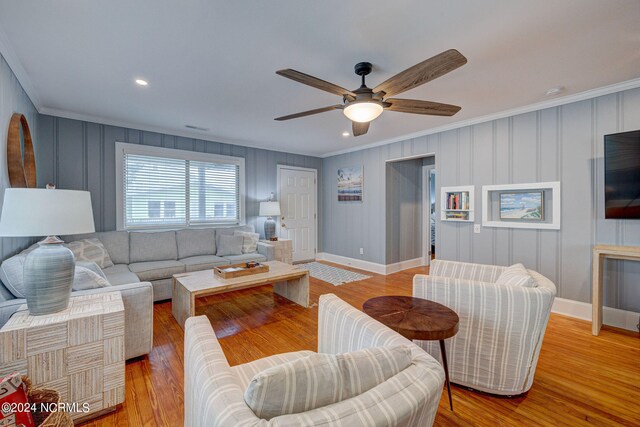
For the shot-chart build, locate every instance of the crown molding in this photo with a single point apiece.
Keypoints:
(588, 94)
(14, 63)
(166, 131)
(23, 78)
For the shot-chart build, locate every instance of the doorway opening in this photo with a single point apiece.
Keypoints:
(410, 210)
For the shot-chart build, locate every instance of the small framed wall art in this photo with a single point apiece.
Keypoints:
(350, 184)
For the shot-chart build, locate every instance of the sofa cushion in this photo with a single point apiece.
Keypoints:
(5, 295)
(516, 275)
(120, 274)
(203, 262)
(229, 231)
(155, 270)
(152, 246)
(229, 245)
(250, 243)
(90, 250)
(322, 379)
(194, 242)
(237, 259)
(115, 242)
(11, 272)
(86, 278)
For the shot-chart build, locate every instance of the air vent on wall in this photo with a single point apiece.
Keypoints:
(196, 128)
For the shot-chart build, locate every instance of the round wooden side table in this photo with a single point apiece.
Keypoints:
(416, 319)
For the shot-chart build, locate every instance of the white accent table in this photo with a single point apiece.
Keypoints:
(78, 351)
(284, 250)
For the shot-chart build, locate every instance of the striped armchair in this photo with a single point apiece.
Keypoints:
(214, 390)
(501, 327)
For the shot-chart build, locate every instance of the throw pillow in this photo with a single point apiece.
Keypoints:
(516, 275)
(250, 244)
(322, 379)
(90, 250)
(230, 245)
(11, 272)
(85, 279)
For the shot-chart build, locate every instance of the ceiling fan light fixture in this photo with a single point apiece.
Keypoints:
(363, 112)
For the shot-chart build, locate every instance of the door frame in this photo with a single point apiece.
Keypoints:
(426, 208)
(315, 197)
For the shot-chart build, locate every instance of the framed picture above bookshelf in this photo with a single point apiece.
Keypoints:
(457, 203)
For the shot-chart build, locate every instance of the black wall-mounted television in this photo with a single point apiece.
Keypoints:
(622, 175)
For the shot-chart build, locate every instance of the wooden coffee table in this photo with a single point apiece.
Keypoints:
(288, 281)
(416, 319)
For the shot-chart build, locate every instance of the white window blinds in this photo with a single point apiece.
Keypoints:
(165, 192)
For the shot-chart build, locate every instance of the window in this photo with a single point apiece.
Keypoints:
(166, 188)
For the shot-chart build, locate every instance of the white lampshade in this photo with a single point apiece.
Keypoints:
(28, 212)
(269, 208)
(363, 112)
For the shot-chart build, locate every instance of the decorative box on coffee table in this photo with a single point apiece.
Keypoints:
(78, 351)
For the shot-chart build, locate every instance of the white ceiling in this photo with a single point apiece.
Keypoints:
(212, 63)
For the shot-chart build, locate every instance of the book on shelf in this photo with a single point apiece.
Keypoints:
(458, 200)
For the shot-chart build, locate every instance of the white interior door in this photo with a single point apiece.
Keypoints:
(298, 211)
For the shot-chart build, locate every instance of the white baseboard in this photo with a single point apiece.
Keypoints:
(368, 265)
(611, 316)
(403, 265)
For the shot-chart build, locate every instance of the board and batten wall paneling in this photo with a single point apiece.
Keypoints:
(563, 144)
(81, 155)
(13, 99)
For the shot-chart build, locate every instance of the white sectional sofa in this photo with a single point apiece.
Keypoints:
(156, 256)
(143, 265)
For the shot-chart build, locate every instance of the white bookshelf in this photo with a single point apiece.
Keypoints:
(456, 203)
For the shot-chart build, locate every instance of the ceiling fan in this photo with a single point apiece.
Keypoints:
(363, 105)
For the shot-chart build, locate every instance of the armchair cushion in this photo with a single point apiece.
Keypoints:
(319, 380)
(516, 275)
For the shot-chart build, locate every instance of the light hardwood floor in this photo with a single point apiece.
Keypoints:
(580, 380)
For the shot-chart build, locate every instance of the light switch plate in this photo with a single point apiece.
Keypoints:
(476, 228)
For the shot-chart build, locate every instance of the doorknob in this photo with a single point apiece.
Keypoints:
(283, 218)
(283, 225)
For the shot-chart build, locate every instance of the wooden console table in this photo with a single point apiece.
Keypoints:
(600, 252)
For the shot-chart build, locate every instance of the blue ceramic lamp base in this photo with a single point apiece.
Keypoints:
(48, 277)
(269, 228)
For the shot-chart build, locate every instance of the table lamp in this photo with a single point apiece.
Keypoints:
(50, 268)
(269, 209)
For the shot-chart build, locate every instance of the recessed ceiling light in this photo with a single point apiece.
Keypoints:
(554, 91)
(142, 82)
(345, 134)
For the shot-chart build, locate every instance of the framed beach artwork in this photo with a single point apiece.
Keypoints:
(350, 184)
(522, 206)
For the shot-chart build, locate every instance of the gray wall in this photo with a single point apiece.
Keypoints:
(403, 210)
(557, 144)
(81, 155)
(13, 99)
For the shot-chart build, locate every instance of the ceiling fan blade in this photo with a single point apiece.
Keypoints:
(359, 128)
(421, 73)
(421, 107)
(308, 113)
(314, 82)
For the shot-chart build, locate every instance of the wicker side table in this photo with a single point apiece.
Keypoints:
(79, 351)
(284, 250)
